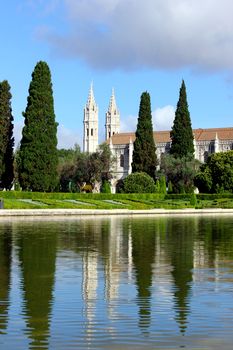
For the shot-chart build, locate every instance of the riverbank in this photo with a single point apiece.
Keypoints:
(104, 212)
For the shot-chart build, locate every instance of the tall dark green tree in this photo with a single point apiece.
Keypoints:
(6, 137)
(38, 158)
(181, 133)
(144, 156)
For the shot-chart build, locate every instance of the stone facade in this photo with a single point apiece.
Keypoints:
(206, 141)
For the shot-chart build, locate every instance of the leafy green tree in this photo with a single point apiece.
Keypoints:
(180, 172)
(217, 174)
(38, 158)
(67, 155)
(94, 167)
(203, 179)
(181, 133)
(139, 183)
(144, 156)
(67, 162)
(6, 137)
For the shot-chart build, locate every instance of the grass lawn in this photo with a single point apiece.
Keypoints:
(37, 200)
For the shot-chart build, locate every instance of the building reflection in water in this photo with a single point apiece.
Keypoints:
(140, 269)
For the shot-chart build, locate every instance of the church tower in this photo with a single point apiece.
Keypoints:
(90, 124)
(112, 125)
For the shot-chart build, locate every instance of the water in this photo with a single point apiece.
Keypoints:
(116, 283)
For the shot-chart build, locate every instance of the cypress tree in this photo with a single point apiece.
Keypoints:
(6, 137)
(144, 156)
(181, 133)
(38, 158)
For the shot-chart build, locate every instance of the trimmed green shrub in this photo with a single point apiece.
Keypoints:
(106, 188)
(170, 188)
(157, 186)
(178, 196)
(162, 182)
(139, 183)
(193, 199)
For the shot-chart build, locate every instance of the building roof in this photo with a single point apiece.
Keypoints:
(164, 136)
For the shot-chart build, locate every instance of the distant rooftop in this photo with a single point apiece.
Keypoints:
(164, 136)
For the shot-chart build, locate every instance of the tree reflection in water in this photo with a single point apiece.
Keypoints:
(37, 256)
(5, 272)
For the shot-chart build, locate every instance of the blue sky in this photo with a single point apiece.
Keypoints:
(131, 45)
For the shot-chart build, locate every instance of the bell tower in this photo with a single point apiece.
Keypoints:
(90, 124)
(112, 125)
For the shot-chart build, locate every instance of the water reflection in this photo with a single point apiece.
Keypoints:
(180, 240)
(143, 252)
(140, 281)
(5, 272)
(37, 255)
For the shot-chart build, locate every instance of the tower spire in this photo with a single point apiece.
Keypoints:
(112, 125)
(91, 98)
(112, 103)
(90, 123)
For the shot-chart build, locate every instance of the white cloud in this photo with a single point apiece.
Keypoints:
(18, 126)
(112, 34)
(129, 123)
(163, 118)
(67, 138)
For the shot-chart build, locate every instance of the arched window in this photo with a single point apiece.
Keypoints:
(91, 132)
(206, 155)
(87, 132)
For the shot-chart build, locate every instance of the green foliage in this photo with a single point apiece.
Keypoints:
(66, 174)
(144, 156)
(180, 172)
(106, 188)
(193, 200)
(87, 168)
(94, 167)
(216, 175)
(67, 162)
(120, 186)
(213, 196)
(40, 200)
(157, 186)
(162, 182)
(68, 155)
(181, 133)
(6, 137)
(38, 158)
(178, 196)
(139, 183)
(203, 179)
(170, 188)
